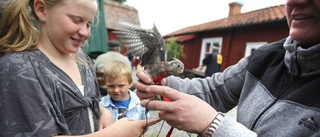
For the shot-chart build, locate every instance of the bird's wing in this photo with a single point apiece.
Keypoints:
(147, 44)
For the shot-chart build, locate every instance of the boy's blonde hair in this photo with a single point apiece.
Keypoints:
(116, 69)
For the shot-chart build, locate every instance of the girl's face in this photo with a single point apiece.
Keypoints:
(303, 18)
(118, 88)
(67, 25)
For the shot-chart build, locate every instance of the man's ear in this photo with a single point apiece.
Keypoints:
(39, 9)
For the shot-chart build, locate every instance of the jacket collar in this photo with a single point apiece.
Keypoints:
(302, 61)
(134, 100)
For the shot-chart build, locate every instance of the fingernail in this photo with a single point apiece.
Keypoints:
(148, 80)
(163, 81)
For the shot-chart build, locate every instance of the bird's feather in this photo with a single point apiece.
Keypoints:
(141, 42)
(150, 47)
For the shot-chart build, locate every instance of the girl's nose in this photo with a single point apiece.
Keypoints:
(85, 31)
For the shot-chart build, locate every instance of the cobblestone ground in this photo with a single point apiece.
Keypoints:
(156, 129)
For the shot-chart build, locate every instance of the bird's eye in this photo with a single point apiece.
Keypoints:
(178, 65)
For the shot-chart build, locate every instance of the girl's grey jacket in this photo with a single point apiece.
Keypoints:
(277, 90)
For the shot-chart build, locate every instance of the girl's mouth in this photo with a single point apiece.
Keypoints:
(76, 41)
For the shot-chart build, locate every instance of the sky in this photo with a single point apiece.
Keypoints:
(173, 15)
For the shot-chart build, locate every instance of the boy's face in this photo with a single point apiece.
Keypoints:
(118, 88)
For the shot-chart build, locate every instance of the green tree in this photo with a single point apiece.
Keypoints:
(174, 49)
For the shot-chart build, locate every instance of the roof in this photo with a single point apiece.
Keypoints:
(183, 38)
(270, 14)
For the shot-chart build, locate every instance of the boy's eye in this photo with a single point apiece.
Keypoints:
(110, 86)
(121, 86)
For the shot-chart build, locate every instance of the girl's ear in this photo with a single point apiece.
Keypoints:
(39, 9)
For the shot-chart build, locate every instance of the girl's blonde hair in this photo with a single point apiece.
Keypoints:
(116, 69)
(18, 30)
(19, 26)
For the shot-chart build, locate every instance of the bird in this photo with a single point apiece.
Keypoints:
(149, 46)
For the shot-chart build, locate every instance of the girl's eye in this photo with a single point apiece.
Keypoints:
(89, 25)
(77, 20)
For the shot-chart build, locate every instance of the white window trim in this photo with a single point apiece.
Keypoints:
(203, 46)
(252, 45)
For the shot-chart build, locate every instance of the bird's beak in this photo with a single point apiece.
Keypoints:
(180, 71)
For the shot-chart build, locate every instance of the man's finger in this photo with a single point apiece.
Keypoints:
(143, 77)
(164, 91)
(158, 105)
(139, 85)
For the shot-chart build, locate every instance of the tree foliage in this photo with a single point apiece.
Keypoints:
(174, 49)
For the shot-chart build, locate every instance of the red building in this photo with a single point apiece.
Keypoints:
(115, 11)
(238, 34)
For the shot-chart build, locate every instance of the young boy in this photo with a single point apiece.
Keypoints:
(121, 101)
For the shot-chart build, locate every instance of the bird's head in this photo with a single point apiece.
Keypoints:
(177, 66)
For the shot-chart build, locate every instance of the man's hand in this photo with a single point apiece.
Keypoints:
(182, 111)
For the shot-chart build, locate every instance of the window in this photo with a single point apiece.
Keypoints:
(207, 46)
(251, 46)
